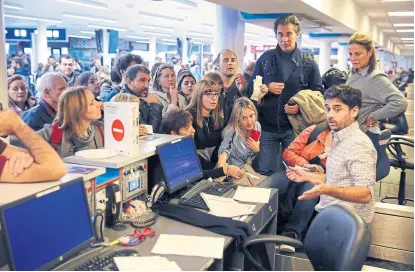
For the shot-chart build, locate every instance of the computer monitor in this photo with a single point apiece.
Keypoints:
(180, 163)
(47, 228)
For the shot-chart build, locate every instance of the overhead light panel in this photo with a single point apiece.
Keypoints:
(386, 1)
(252, 34)
(89, 18)
(183, 3)
(85, 3)
(169, 40)
(208, 25)
(138, 37)
(401, 13)
(404, 30)
(107, 27)
(165, 43)
(87, 32)
(408, 45)
(13, 6)
(198, 42)
(166, 29)
(403, 25)
(199, 34)
(157, 34)
(80, 37)
(158, 17)
(24, 17)
(407, 39)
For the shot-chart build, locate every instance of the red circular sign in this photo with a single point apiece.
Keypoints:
(117, 130)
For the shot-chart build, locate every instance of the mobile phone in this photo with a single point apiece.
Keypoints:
(255, 135)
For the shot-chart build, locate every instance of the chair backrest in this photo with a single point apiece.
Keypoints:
(338, 239)
(383, 163)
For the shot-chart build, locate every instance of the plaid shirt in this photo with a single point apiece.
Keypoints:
(351, 162)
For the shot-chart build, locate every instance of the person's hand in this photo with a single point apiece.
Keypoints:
(152, 98)
(314, 192)
(9, 123)
(142, 129)
(219, 180)
(264, 91)
(253, 145)
(370, 122)
(291, 109)
(174, 95)
(240, 82)
(297, 174)
(316, 166)
(19, 161)
(234, 171)
(276, 87)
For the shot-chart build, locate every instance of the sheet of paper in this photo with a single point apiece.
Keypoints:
(226, 207)
(185, 245)
(252, 194)
(151, 263)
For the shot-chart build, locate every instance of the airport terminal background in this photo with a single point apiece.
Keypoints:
(189, 35)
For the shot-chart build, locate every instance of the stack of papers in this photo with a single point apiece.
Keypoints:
(153, 263)
(186, 245)
(226, 207)
(252, 194)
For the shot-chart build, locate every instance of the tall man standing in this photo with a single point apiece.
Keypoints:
(286, 70)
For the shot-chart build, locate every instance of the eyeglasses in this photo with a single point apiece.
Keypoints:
(211, 94)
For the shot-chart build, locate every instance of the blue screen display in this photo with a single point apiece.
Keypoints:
(44, 228)
(180, 162)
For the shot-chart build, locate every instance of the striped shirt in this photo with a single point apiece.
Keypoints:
(351, 162)
(235, 145)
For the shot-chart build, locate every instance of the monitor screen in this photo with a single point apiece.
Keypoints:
(180, 163)
(43, 230)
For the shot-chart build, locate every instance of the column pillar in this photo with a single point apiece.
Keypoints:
(324, 58)
(229, 32)
(106, 56)
(152, 50)
(3, 68)
(342, 56)
(42, 43)
(185, 50)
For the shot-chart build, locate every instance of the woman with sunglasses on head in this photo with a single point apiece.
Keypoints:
(207, 119)
(164, 86)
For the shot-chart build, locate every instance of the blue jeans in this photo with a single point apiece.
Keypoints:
(268, 161)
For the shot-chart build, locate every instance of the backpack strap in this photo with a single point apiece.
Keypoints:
(100, 132)
(307, 67)
(56, 136)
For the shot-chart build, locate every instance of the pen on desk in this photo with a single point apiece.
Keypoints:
(115, 242)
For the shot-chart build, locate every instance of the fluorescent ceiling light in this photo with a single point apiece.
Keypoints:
(407, 39)
(252, 34)
(183, 3)
(138, 37)
(208, 25)
(85, 3)
(146, 41)
(402, 25)
(87, 32)
(385, 1)
(157, 34)
(157, 28)
(401, 13)
(78, 36)
(159, 17)
(408, 45)
(169, 43)
(107, 27)
(199, 34)
(169, 40)
(13, 6)
(24, 17)
(89, 18)
(198, 43)
(404, 30)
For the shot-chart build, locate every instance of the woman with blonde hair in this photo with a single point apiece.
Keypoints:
(76, 126)
(381, 99)
(207, 119)
(164, 86)
(240, 143)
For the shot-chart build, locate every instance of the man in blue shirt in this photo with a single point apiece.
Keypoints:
(286, 70)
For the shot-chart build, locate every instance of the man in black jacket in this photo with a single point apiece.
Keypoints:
(137, 83)
(286, 71)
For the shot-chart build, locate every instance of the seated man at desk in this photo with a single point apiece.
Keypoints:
(351, 163)
(137, 84)
(179, 122)
(42, 163)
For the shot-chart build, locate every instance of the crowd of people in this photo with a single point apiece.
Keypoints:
(330, 163)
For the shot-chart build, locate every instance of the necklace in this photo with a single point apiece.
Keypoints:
(206, 123)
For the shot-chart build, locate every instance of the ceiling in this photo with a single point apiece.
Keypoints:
(196, 22)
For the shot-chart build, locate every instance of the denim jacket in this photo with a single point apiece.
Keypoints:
(271, 111)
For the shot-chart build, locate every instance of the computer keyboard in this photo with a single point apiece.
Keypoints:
(106, 262)
(217, 189)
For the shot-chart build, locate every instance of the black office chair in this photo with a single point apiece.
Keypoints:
(383, 162)
(338, 239)
(400, 160)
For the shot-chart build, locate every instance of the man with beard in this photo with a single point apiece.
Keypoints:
(137, 84)
(67, 69)
(234, 84)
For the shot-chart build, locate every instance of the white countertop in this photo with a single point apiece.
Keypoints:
(147, 149)
(10, 192)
